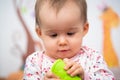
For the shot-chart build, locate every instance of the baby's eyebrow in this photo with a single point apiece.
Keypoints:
(50, 30)
(75, 28)
(57, 30)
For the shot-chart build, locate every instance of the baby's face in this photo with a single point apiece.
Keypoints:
(61, 33)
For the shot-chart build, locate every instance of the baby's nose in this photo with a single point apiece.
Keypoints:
(62, 41)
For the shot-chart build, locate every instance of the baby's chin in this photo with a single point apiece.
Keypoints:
(65, 56)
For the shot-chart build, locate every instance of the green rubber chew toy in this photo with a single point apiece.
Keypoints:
(58, 70)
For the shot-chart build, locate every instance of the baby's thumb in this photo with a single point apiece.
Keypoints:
(66, 60)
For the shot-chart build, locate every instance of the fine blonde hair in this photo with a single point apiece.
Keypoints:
(57, 5)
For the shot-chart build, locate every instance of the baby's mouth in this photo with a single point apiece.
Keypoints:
(63, 51)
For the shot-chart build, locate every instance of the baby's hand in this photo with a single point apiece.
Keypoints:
(73, 68)
(50, 76)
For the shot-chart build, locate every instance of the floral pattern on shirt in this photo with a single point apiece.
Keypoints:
(95, 68)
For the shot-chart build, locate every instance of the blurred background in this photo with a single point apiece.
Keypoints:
(18, 38)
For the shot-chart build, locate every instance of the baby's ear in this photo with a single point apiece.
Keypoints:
(38, 30)
(86, 28)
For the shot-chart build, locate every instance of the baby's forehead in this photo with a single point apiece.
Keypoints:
(69, 9)
(68, 15)
(60, 8)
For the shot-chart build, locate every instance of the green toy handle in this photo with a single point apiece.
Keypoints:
(58, 70)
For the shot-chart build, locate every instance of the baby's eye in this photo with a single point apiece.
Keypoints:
(53, 35)
(70, 33)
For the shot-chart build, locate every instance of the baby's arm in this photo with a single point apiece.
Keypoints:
(32, 69)
(97, 68)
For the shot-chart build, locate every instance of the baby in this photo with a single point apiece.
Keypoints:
(62, 24)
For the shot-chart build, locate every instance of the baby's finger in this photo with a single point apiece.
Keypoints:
(45, 78)
(73, 68)
(68, 64)
(50, 75)
(78, 71)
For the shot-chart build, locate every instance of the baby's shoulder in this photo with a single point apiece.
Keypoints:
(90, 51)
(35, 55)
(92, 54)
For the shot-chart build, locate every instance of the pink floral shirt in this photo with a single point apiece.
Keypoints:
(95, 68)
